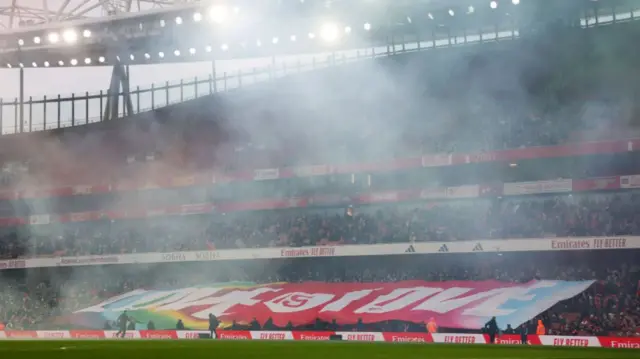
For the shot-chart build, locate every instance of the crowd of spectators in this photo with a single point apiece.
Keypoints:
(599, 214)
(39, 299)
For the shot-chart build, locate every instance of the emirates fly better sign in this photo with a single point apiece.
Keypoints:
(454, 304)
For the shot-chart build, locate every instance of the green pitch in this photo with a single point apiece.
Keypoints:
(195, 349)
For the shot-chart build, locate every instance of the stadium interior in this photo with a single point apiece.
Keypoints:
(501, 167)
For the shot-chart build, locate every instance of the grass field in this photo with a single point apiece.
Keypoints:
(195, 349)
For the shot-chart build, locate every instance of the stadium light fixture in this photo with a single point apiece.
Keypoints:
(208, 48)
(20, 42)
(451, 12)
(409, 19)
(132, 57)
(101, 59)
(9, 66)
(161, 55)
(329, 32)
(176, 52)
(493, 4)
(430, 15)
(46, 64)
(219, 13)
(70, 36)
(60, 63)
(163, 23)
(515, 2)
(53, 37)
(224, 47)
(86, 33)
(36, 40)
(347, 29)
(178, 20)
(275, 40)
(192, 51)
(258, 43)
(312, 35)
(74, 62)
(147, 56)
(236, 10)
(197, 17)
(34, 64)
(367, 26)
(118, 58)
(293, 38)
(87, 61)
(21, 65)
(470, 10)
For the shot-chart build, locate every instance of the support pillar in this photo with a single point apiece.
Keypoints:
(119, 81)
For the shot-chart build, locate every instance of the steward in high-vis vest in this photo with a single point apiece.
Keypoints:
(541, 330)
(432, 326)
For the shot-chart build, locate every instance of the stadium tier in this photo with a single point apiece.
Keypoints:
(421, 194)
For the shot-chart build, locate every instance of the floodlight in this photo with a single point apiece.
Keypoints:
(162, 23)
(46, 64)
(86, 33)
(224, 47)
(430, 15)
(20, 42)
(293, 38)
(36, 40)
(207, 48)
(147, 56)
(515, 2)
(161, 55)
(34, 64)
(53, 37)
(177, 52)
(132, 57)
(70, 36)
(60, 63)
(74, 62)
(275, 40)
(329, 32)
(258, 43)
(347, 30)
(312, 35)
(192, 51)
(451, 12)
(197, 17)
(9, 66)
(367, 26)
(87, 61)
(21, 65)
(493, 4)
(178, 20)
(101, 59)
(470, 10)
(219, 13)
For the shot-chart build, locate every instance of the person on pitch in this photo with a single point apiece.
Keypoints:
(122, 324)
(213, 326)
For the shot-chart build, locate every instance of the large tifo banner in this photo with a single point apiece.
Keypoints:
(453, 304)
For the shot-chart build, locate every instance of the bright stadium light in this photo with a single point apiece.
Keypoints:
(312, 35)
(163, 23)
(258, 43)
(87, 61)
(46, 64)
(34, 64)
(118, 58)
(20, 42)
(176, 53)
(208, 48)
(430, 15)
(515, 2)
(329, 32)
(451, 12)
(21, 65)
(218, 14)
(275, 40)
(36, 40)
(132, 57)
(161, 55)
(9, 66)
(493, 4)
(347, 29)
(60, 63)
(53, 37)
(147, 56)
(292, 38)
(470, 10)
(224, 47)
(70, 36)
(178, 20)
(367, 26)
(74, 62)
(101, 59)
(86, 33)
(197, 17)
(192, 51)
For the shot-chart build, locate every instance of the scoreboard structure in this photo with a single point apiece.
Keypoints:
(339, 31)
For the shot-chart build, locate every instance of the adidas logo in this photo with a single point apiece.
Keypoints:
(410, 249)
(478, 248)
(443, 249)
